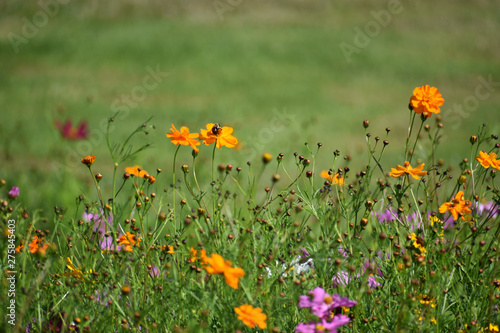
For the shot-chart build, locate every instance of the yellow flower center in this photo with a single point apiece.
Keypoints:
(320, 327)
(328, 300)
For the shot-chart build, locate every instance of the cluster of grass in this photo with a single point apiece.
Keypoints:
(406, 247)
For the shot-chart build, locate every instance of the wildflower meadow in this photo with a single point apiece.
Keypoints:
(231, 166)
(279, 244)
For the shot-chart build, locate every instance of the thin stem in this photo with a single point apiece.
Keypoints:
(409, 135)
(416, 139)
(173, 181)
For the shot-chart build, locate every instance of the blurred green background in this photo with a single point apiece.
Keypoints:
(273, 70)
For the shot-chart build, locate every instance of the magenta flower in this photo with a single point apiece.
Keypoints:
(14, 192)
(322, 305)
(323, 325)
(70, 132)
(342, 302)
(318, 300)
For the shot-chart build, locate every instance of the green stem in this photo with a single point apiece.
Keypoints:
(409, 135)
(416, 139)
(173, 182)
(213, 180)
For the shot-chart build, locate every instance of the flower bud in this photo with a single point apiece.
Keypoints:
(266, 158)
(473, 139)
(366, 123)
(88, 160)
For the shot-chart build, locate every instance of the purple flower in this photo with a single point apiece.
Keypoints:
(108, 244)
(387, 216)
(321, 303)
(304, 253)
(488, 208)
(342, 279)
(318, 300)
(338, 302)
(323, 325)
(154, 271)
(372, 282)
(14, 192)
(100, 226)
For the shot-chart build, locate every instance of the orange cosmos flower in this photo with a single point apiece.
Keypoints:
(217, 265)
(251, 316)
(426, 100)
(488, 160)
(193, 253)
(88, 160)
(457, 206)
(183, 137)
(36, 245)
(407, 169)
(333, 178)
(19, 249)
(136, 170)
(222, 135)
(128, 240)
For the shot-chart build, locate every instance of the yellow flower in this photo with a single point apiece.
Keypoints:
(75, 271)
(337, 178)
(418, 243)
(222, 135)
(457, 206)
(251, 316)
(407, 169)
(493, 328)
(426, 100)
(427, 300)
(434, 220)
(183, 137)
(401, 267)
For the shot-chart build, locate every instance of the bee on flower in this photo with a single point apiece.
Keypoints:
(222, 135)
